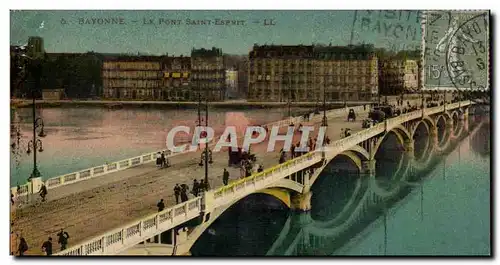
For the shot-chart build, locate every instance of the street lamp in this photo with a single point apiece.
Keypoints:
(324, 121)
(206, 157)
(35, 144)
(199, 104)
(289, 99)
(206, 144)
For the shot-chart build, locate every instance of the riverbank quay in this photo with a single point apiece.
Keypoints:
(231, 104)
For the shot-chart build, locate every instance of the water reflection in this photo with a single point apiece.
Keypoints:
(239, 231)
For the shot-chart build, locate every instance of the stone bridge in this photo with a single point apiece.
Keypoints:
(420, 133)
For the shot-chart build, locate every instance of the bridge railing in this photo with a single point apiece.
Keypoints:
(135, 232)
(348, 142)
(96, 171)
(255, 182)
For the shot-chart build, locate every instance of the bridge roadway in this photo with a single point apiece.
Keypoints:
(99, 204)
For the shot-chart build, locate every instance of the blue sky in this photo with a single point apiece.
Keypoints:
(394, 30)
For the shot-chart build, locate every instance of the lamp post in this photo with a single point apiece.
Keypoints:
(324, 121)
(199, 104)
(206, 144)
(35, 144)
(289, 99)
(206, 157)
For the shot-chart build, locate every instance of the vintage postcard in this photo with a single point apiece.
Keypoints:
(250, 133)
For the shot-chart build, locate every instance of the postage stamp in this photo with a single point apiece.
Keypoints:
(455, 48)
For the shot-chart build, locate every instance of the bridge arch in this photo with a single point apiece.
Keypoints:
(399, 176)
(428, 125)
(457, 124)
(442, 130)
(356, 154)
(280, 190)
(401, 134)
(427, 121)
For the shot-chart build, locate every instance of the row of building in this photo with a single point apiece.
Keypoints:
(309, 73)
(268, 73)
(166, 78)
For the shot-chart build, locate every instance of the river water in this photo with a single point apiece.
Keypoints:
(80, 138)
(445, 212)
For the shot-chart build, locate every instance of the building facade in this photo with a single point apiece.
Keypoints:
(242, 69)
(309, 73)
(208, 74)
(346, 73)
(280, 73)
(175, 83)
(398, 76)
(132, 77)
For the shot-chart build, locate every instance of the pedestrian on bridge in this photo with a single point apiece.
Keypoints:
(23, 246)
(184, 192)
(47, 247)
(204, 186)
(282, 157)
(242, 168)
(63, 239)
(18, 196)
(43, 192)
(13, 243)
(225, 177)
(163, 159)
(160, 205)
(196, 188)
(165, 162)
(177, 193)
(158, 159)
(248, 169)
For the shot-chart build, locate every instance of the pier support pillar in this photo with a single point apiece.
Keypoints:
(301, 202)
(368, 167)
(449, 129)
(409, 146)
(464, 119)
(433, 134)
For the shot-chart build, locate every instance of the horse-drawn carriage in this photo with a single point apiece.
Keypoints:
(351, 116)
(235, 157)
